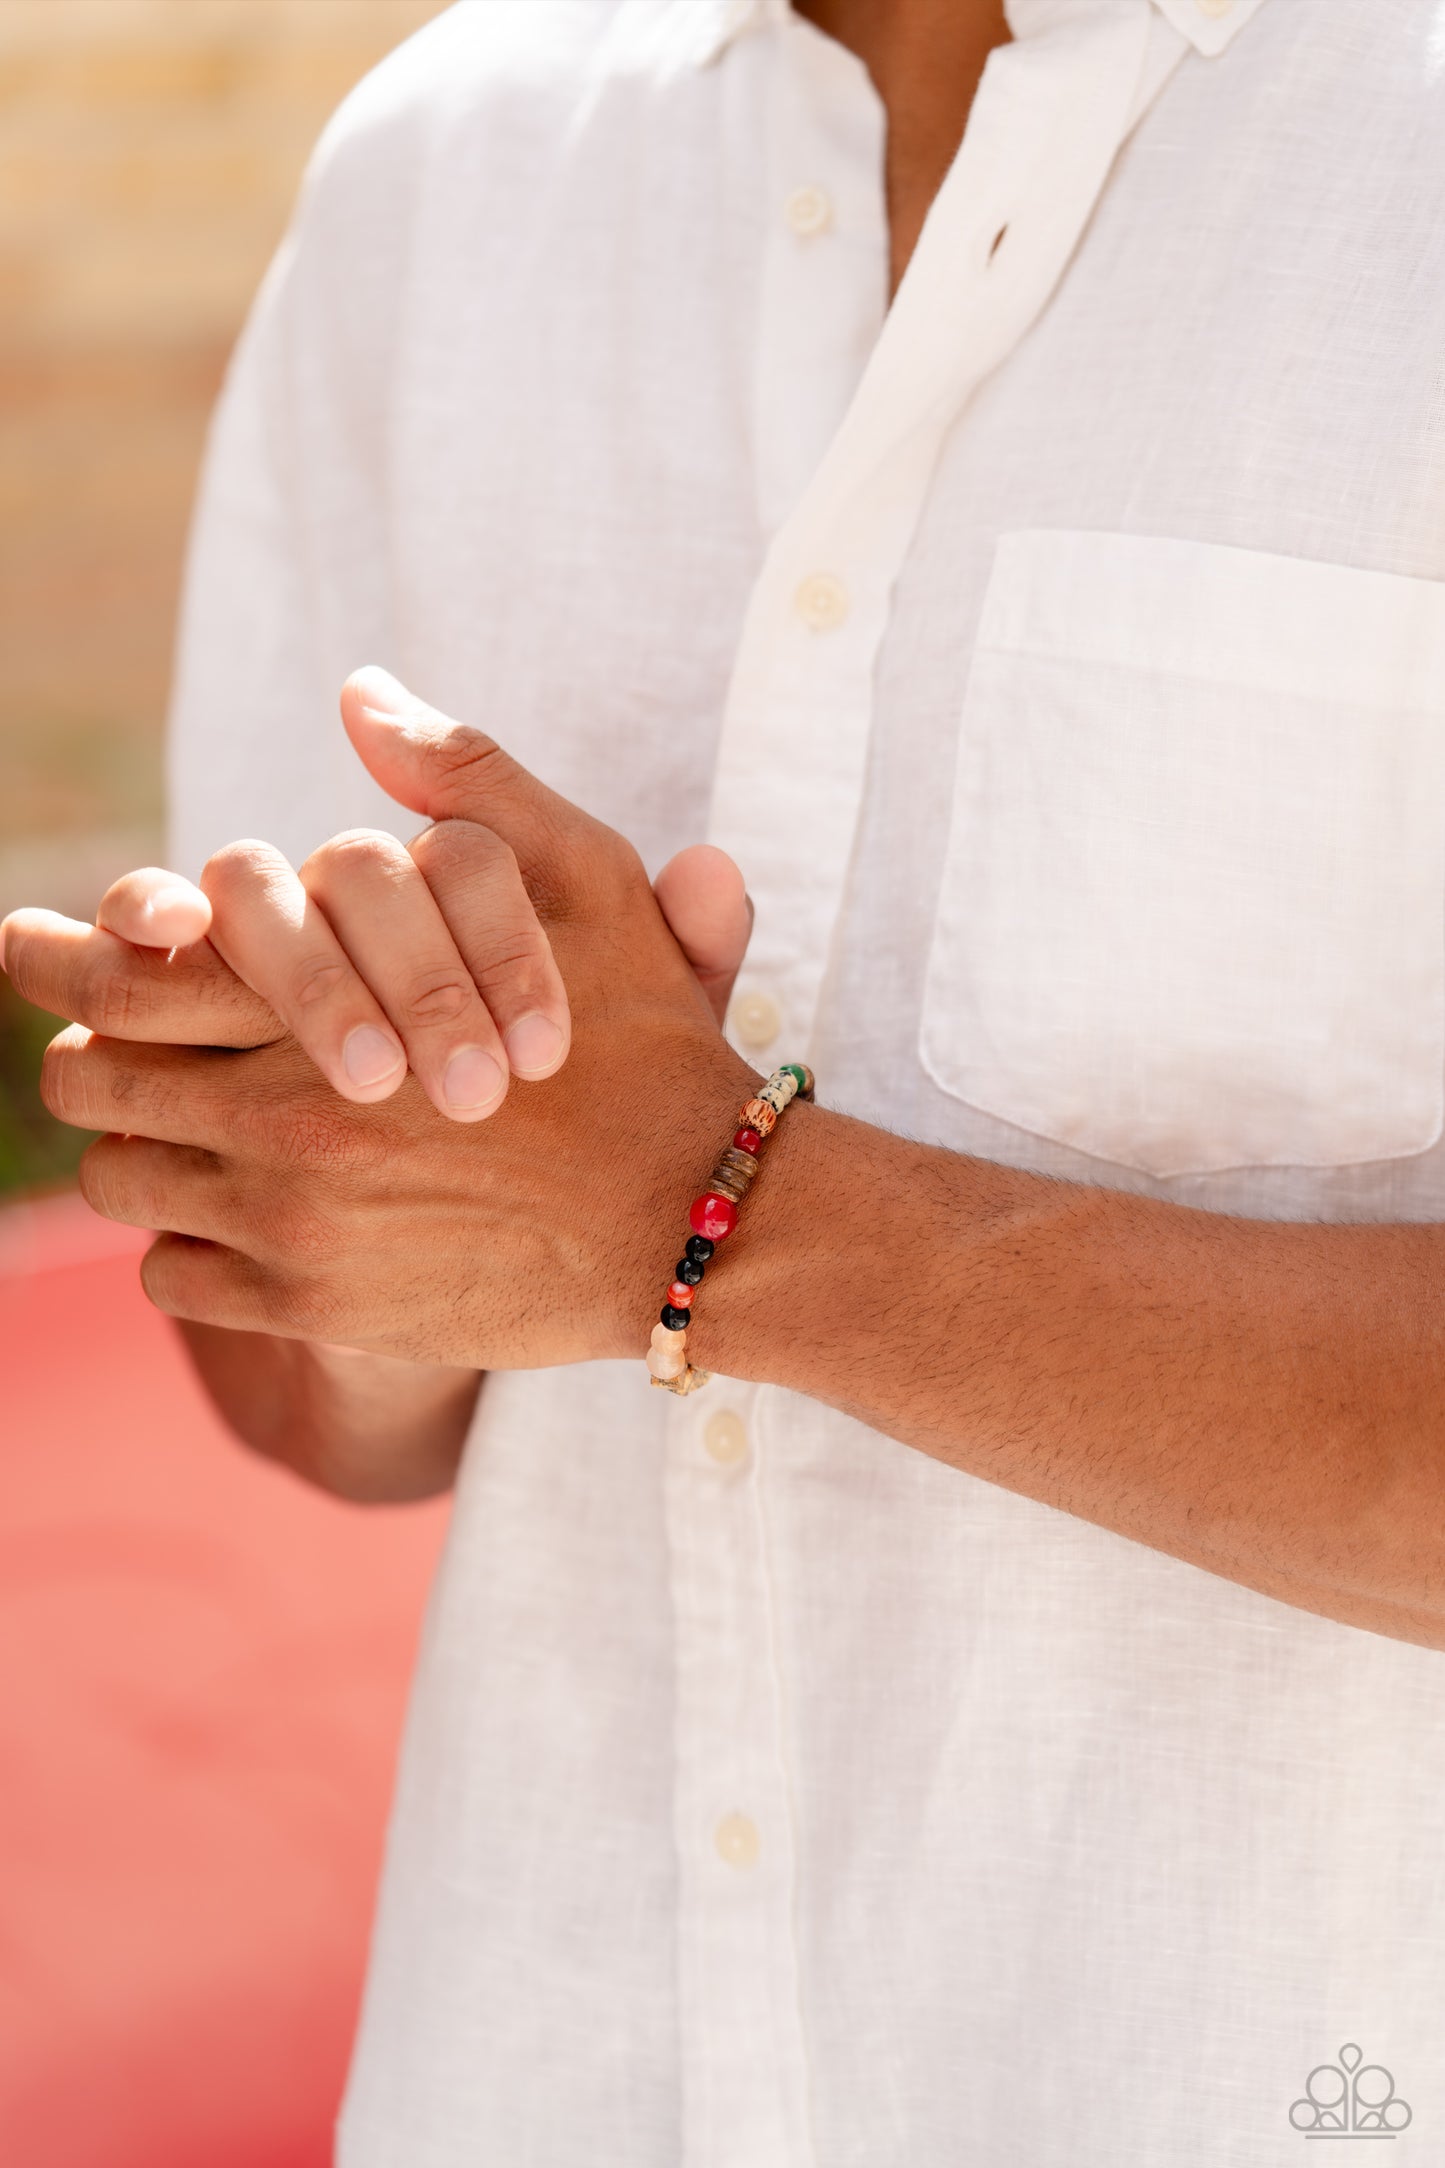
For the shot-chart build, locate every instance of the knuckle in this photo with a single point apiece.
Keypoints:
(517, 967)
(364, 852)
(457, 846)
(237, 867)
(307, 1306)
(615, 857)
(467, 756)
(115, 999)
(316, 978)
(137, 1094)
(437, 997)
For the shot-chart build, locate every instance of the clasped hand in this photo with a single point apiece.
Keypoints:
(308, 1080)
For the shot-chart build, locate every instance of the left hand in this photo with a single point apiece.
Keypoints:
(538, 1237)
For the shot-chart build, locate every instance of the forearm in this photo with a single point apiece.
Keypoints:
(365, 1427)
(1265, 1400)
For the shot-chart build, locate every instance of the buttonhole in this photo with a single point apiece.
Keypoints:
(997, 242)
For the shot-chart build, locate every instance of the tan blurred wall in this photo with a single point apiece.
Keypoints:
(149, 150)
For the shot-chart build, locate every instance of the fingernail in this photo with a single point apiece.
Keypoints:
(381, 693)
(533, 1045)
(370, 1055)
(472, 1080)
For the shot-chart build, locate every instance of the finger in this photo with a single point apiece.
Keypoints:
(701, 895)
(166, 1092)
(214, 1285)
(155, 909)
(141, 1183)
(386, 918)
(478, 887)
(447, 771)
(188, 997)
(277, 939)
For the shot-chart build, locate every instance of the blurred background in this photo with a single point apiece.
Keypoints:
(202, 1664)
(149, 152)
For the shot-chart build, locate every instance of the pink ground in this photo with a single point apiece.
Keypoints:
(202, 1669)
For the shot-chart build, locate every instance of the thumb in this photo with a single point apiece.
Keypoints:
(701, 895)
(448, 771)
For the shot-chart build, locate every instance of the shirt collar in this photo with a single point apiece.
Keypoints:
(1209, 25)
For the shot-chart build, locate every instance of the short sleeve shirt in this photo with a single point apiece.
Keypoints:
(1060, 651)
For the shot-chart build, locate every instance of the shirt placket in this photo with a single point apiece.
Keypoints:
(822, 295)
(744, 2069)
(1047, 122)
(1045, 127)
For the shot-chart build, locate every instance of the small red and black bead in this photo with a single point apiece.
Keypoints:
(748, 1140)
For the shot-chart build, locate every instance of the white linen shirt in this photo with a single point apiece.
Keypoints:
(1061, 653)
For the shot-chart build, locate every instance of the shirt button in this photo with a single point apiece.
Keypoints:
(757, 1019)
(737, 1840)
(1214, 7)
(726, 1436)
(821, 602)
(809, 212)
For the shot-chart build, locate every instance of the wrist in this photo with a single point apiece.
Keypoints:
(707, 1093)
(770, 1284)
(757, 1312)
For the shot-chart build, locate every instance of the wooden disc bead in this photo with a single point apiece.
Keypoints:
(732, 1165)
(723, 1182)
(757, 1114)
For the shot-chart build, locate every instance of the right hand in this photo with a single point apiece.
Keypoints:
(353, 955)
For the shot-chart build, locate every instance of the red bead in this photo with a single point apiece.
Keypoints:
(747, 1140)
(712, 1216)
(680, 1295)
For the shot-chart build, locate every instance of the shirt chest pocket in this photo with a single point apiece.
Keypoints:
(1192, 913)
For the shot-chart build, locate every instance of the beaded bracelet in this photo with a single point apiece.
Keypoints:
(712, 1216)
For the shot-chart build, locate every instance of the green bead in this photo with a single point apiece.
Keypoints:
(798, 1073)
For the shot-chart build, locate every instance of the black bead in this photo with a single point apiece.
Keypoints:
(699, 1249)
(689, 1271)
(675, 1320)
